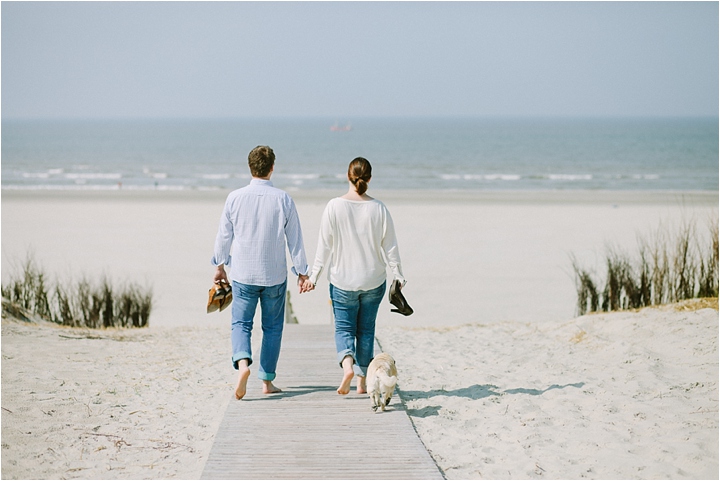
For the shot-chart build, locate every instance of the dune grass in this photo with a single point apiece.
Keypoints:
(669, 267)
(79, 304)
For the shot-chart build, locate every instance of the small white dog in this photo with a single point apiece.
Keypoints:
(381, 380)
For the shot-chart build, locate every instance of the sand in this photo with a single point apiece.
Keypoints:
(614, 396)
(501, 380)
(142, 404)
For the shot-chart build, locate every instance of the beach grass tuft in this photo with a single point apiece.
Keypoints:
(669, 267)
(84, 303)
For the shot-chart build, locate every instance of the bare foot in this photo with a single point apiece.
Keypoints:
(361, 386)
(270, 388)
(345, 384)
(241, 387)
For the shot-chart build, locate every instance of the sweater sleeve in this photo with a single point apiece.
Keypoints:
(390, 247)
(324, 247)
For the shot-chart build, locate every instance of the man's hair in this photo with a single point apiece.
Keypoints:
(261, 160)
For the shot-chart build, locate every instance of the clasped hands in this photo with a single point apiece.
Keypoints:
(304, 284)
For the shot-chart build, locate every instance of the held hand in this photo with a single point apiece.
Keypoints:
(220, 275)
(302, 279)
(305, 285)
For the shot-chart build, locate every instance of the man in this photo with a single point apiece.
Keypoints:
(257, 222)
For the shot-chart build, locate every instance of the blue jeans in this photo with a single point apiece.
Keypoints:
(355, 313)
(272, 308)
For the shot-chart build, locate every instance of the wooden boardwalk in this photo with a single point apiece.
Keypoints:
(311, 432)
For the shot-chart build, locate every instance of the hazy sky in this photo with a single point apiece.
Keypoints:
(352, 59)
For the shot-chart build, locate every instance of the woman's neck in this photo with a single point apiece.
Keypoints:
(353, 195)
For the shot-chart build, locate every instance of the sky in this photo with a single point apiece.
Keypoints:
(358, 59)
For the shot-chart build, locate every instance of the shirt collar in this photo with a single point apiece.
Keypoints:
(255, 181)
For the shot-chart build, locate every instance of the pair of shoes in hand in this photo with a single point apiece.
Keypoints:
(219, 297)
(398, 300)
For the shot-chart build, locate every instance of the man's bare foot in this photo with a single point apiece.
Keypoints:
(361, 386)
(241, 387)
(270, 388)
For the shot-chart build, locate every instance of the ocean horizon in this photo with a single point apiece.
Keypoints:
(660, 154)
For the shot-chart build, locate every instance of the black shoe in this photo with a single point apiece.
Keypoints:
(398, 300)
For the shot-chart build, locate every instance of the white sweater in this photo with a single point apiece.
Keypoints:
(354, 235)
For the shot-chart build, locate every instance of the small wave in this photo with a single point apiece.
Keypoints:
(42, 175)
(508, 177)
(95, 187)
(93, 176)
(492, 177)
(155, 175)
(569, 177)
(300, 176)
(60, 187)
(215, 176)
(646, 176)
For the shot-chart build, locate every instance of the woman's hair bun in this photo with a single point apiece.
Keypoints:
(359, 173)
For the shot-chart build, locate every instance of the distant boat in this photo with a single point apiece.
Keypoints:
(341, 128)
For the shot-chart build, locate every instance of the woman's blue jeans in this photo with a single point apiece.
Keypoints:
(355, 313)
(272, 309)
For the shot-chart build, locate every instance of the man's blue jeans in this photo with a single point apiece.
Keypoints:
(355, 313)
(272, 309)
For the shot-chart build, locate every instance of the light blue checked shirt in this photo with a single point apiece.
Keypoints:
(254, 226)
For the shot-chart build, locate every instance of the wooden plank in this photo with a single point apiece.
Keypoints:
(310, 432)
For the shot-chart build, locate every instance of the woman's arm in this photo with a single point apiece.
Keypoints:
(325, 245)
(390, 247)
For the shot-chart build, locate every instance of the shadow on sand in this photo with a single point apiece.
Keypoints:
(474, 392)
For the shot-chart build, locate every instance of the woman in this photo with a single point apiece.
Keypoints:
(356, 231)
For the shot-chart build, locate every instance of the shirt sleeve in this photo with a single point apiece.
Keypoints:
(390, 246)
(224, 238)
(293, 234)
(325, 245)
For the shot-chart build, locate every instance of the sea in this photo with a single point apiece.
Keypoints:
(658, 154)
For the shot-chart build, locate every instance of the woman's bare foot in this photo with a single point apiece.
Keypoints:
(345, 384)
(241, 387)
(347, 364)
(361, 386)
(269, 388)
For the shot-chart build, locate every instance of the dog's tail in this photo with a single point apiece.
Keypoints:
(387, 380)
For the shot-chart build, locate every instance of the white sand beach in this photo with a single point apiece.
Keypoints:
(613, 396)
(501, 381)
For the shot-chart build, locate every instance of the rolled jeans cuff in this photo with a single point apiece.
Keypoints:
(241, 355)
(343, 354)
(359, 371)
(266, 376)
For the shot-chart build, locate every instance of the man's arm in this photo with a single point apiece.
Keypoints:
(223, 243)
(220, 275)
(293, 235)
